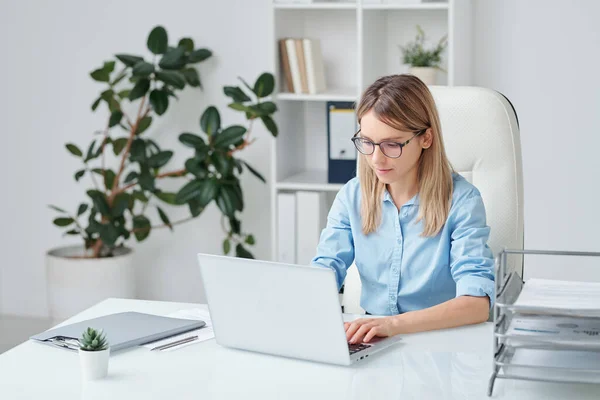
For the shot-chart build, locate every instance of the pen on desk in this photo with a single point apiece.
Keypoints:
(176, 343)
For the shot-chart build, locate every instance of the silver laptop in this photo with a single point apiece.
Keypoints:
(281, 309)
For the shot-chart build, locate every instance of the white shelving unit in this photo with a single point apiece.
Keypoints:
(360, 42)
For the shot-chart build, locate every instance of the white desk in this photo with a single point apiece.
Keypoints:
(451, 364)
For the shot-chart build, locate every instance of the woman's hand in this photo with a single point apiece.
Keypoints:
(365, 329)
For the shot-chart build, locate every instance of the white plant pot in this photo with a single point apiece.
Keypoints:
(94, 364)
(427, 74)
(76, 283)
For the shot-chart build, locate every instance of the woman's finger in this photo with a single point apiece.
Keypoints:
(371, 334)
(360, 333)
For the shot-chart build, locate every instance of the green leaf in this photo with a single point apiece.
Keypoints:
(159, 101)
(193, 141)
(82, 208)
(235, 225)
(223, 163)
(197, 167)
(60, 210)
(74, 149)
(268, 107)
(210, 122)
(109, 66)
(140, 89)
(226, 246)
(109, 234)
(196, 207)
(139, 195)
(173, 59)
(124, 93)
(142, 227)
(208, 191)
(109, 179)
(189, 191)
(254, 172)
(236, 94)
(230, 136)
(100, 75)
(63, 221)
(72, 232)
(119, 144)
(96, 103)
(228, 201)
(90, 152)
(137, 152)
(173, 78)
(120, 204)
(113, 104)
(240, 107)
(199, 55)
(167, 197)
(142, 69)
(79, 174)
(264, 85)
(250, 240)
(187, 44)
(164, 218)
(158, 40)
(146, 180)
(100, 202)
(131, 177)
(241, 252)
(107, 94)
(192, 77)
(115, 118)
(143, 125)
(128, 59)
(270, 125)
(160, 159)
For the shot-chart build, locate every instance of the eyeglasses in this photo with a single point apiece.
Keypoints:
(388, 148)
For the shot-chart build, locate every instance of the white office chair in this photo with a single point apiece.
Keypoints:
(481, 134)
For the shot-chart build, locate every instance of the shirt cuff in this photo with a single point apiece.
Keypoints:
(476, 286)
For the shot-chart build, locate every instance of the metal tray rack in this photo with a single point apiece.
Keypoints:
(510, 354)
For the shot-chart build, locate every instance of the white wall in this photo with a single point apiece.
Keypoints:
(48, 50)
(544, 56)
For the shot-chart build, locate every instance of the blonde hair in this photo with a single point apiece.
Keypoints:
(405, 103)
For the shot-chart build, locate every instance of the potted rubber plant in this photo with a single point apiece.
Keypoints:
(94, 354)
(424, 62)
(123, 168)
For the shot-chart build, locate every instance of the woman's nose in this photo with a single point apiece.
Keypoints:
(377, 155)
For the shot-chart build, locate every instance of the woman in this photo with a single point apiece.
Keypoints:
(415, 229)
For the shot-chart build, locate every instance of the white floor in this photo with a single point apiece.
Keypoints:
(16, 330)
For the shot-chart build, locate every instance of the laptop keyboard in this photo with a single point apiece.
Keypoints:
(354, 348)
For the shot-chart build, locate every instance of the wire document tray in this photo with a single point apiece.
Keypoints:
(523, 350)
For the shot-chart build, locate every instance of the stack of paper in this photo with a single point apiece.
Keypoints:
(543, 296)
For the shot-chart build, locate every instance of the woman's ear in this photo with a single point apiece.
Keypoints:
(427, 139)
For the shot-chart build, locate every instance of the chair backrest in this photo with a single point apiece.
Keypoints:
(481, 134)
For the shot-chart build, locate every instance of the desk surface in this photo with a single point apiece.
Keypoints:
(449, 364)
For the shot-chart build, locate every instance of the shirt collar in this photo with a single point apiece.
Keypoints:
(412, 201)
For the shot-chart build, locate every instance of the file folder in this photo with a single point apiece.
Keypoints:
(123, 330)
(341, 126)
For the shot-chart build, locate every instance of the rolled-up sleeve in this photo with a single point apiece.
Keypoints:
(336, 245)
(471, 259)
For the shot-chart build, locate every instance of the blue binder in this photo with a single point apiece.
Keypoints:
(341, 126)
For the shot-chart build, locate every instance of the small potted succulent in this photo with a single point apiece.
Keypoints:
(94, 353)
(424, 63)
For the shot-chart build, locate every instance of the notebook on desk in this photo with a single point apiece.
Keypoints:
(123, 330)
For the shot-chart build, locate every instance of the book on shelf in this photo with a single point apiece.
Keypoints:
(302, 65)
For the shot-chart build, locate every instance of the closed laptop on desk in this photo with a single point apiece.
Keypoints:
(122, 330)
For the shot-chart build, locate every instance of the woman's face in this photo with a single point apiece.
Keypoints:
(388, 169)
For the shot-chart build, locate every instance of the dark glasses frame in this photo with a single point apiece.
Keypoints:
(356, 138)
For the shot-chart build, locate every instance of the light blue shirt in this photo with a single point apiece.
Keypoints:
(400, 270)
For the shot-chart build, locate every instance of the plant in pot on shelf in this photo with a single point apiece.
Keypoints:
(424, 63)
(125, 166)
(94, 353)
